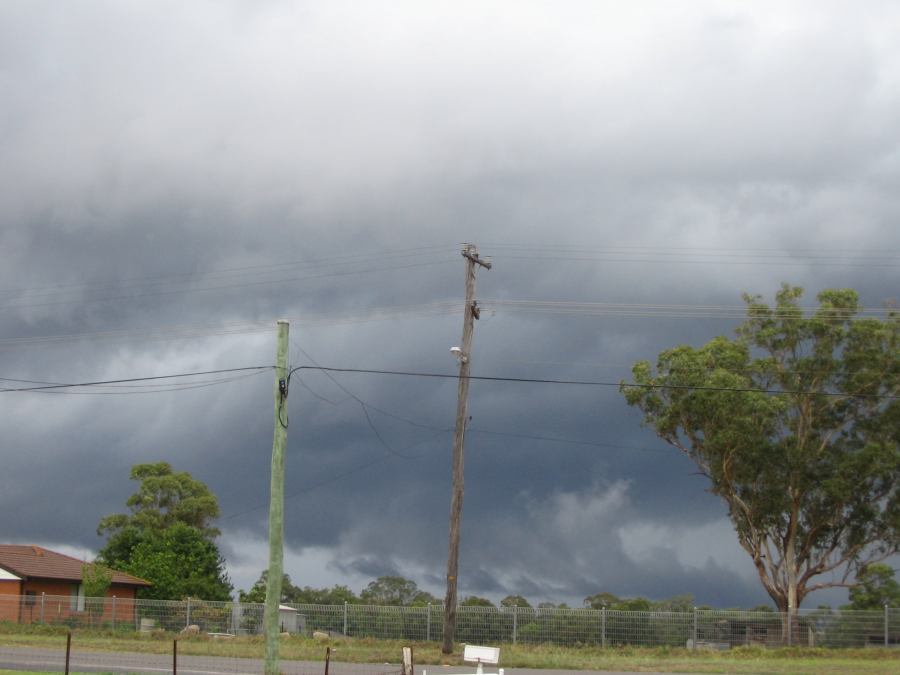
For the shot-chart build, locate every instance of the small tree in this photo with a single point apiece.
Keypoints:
(390, 590)
(257, 593)
(876, 587)
(601, 601)
(475, 601)
(95, 582)
(514, 601)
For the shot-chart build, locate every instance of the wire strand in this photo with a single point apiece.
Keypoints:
(594, 383)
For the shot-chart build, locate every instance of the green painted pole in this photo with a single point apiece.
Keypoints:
(276, 502)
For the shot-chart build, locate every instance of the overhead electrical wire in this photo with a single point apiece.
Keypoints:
(437, 432)
(392, 452)
(595, 383)
(178, 332)
(698, 255)
(440, 308)
(161, 285)
(681, 261)
(565, 441)
(137, 390)
(742, 250)
(573, 307)
(333, 479)
(364, 406)
(44, 388)
(232, 272)
(450, 376)
(163, 293)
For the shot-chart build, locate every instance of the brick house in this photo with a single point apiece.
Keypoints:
(37, 584)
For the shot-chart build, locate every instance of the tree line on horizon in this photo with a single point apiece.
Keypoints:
(876, 588)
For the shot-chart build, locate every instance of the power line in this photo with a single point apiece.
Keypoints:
(187, 331)
(333, 479)
(446, 376)
(679, 261)
(98, 383)
(682, 311)
(161, 293)
(378, 460)
(232, 272)
(578, 248)
(365, 408)
(594, 383)
(565, 441)
(138, 389)
(707, 255)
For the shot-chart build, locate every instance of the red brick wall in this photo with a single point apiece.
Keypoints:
(10, 590)
(57, 603)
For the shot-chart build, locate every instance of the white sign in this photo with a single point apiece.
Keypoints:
(474, 653)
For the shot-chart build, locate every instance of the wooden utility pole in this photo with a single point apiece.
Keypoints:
(276, 502)
(470, 253)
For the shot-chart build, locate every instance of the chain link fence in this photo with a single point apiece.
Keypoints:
(700, 628)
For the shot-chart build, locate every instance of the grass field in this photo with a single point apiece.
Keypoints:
(794, 661)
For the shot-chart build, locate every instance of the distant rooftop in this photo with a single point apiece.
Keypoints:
(36, 562)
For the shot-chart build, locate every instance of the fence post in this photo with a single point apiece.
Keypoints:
(603, 626)
(188, 612)
(428, 624)
(175, 656)
(114, 612)
(515, 623)
(345, 618)
(886, 634)
(696, 630)
(408, 667)
(68, 649)
(42, 606)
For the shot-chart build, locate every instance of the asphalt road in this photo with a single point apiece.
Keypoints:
(53, 660)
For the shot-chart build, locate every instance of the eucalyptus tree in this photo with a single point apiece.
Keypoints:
(168, 538)
(796, 425)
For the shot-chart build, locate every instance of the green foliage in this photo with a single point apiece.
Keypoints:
(95, 580)
(677, 603)
(601, 600)
(475, 601)
(165, 497)
(336, 595)
(181, 562)
(257, 592)
(514, 601)
(876, 588)
(633, 605)
(168, 538)
(394, 590)
(810, 477)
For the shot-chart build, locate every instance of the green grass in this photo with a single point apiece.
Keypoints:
(793, 661)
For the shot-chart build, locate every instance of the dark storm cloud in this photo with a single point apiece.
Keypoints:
(163, 165)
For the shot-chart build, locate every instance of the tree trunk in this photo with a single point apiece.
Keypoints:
(791, 624)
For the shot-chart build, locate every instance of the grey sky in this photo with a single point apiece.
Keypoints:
(180, 172)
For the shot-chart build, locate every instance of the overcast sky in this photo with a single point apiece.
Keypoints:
(176, 176)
